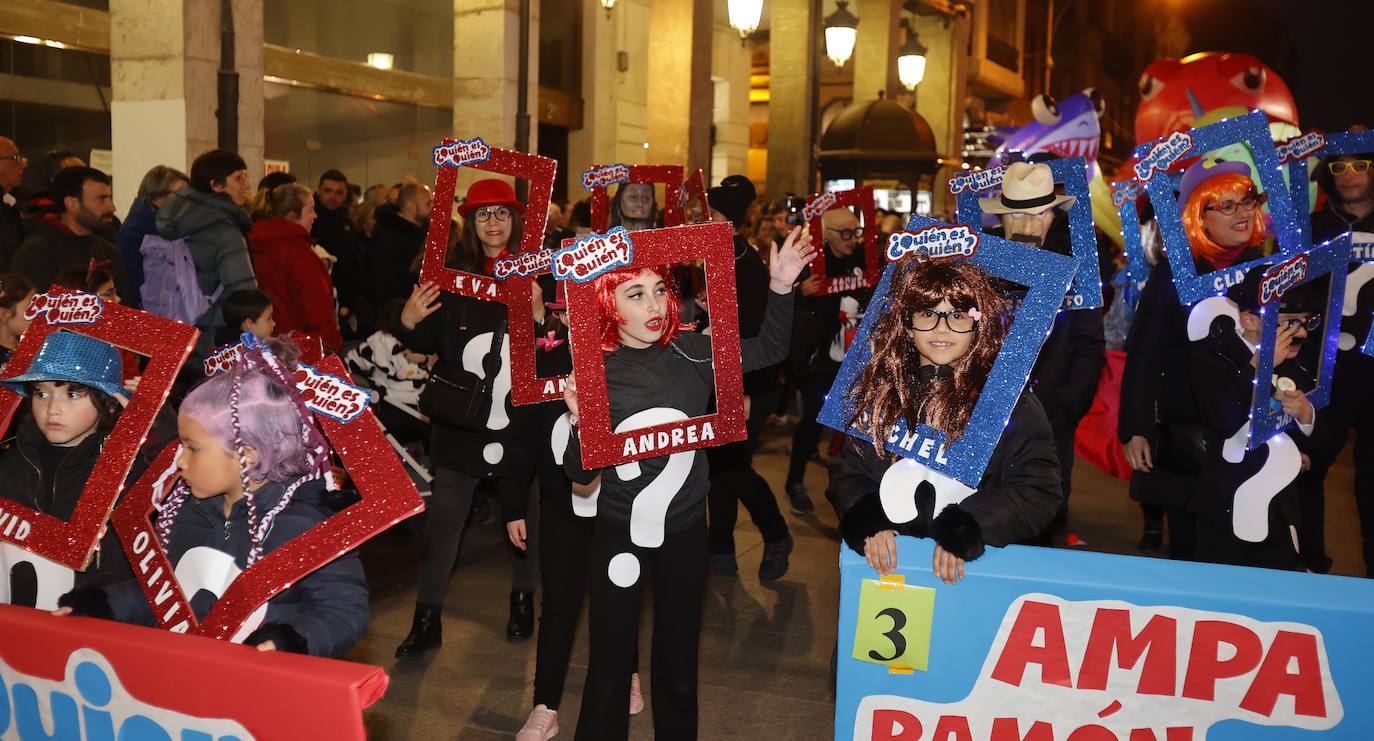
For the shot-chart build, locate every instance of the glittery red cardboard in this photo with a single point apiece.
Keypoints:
(693, 197)
(539, 171)
(713, 245)
(388, 496)
(166, 343)
(671, 178)
(873, 262)
(526, 385)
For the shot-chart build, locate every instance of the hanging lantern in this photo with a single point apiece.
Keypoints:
(841, 29)
(911, 59)
(608, 5)
(744, 16)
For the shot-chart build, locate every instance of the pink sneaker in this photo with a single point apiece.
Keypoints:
(542, 725)
(636, 697)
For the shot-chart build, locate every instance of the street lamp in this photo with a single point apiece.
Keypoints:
(744, 16)
(608, 5)
(841, 29)
(911, 59)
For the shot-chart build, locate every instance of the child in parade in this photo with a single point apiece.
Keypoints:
(74, 397)
(251, 466)
(15, 294)
(932, 352)
(397, 373)
(247, 310)
(651, 365)
(1223, 378)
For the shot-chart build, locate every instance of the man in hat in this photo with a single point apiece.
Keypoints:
(1066, 372)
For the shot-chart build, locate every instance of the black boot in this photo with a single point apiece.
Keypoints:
(521, 623)
(425, 633)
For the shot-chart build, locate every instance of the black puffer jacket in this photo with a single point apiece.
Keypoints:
(395, 245)
(1016, 499)
(335, 232)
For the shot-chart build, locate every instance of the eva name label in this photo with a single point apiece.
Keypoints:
(666, 441)
(1163, 155)
(977, 181)
(593, 255)
(459, 153)
(66, 308)
(523, 265)
(330, 395)
(818, 207)
(1300, 148)
(935, 241)
(605, 176)
(1282, 278)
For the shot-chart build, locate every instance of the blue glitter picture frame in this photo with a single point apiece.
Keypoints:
(1086, 290)
(1125, 194)
(1252, 130)
(1327, 259)
(1046, 276)
(1299, 182)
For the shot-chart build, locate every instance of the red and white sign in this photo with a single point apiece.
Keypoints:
(670, 176)
(65, 307)
(593, 255)
(861, 198)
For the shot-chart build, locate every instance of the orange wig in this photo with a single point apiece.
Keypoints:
(1208, 193)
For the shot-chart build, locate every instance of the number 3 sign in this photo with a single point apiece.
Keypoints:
(894, 624)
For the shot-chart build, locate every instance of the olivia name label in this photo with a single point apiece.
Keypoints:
(330, 395)
(65, 308)
(1163, 155)
(605, 176)
(524, 264)
(593, 255)
(1282, 278)
(958, 240)
(465, 152)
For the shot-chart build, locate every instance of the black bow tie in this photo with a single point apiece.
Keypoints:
(927, 373)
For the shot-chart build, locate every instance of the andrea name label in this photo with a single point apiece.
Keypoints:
(667, 441)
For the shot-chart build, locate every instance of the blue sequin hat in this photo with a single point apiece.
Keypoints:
(76, 358)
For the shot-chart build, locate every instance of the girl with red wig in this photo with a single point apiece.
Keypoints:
(654, 374)
(933, 347)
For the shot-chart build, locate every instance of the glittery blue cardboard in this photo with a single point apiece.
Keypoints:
(1368, 348)
(1252, 130)
(1329, 258)
(1046, 276)
(1086, 292)
(1125, 195)
(1346, 142)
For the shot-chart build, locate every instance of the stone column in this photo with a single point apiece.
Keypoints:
(875, 50)
(679, 94)
(791, 104)
(615, 83)
(486, 73)
(164, 57)
(940, 96)
(731, 67)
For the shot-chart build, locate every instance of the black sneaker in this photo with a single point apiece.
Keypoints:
(722, 564)
(1152, 539)
(801, 504)
(774, 563)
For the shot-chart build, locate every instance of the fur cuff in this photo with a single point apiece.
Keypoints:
(88, 601)
(958, 532)
(282, 635)
(863, 520)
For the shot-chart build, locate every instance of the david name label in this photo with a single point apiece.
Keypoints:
(460, 153)
(977, 181)
(65, 308)
(14, 527)
(1163, 155)
(666, 441)
(1282, 278)
(935, 241)
(593, 255)
(330, 395)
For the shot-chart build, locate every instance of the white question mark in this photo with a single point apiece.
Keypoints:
(897, 490)
(1250, 507)
(651, 503)
(562, 431)
(473, 353)
(1353, 284)
(1203, 312)
(54, 579)
(211, 570)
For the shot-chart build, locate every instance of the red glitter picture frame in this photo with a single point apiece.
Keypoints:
(539, 171)
(694, 189)
(388, 496)
(670, 176)
(713, 245)
(862, 198)
(166, 344)
(526, 385)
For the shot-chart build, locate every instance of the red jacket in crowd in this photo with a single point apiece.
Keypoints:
(295, 278)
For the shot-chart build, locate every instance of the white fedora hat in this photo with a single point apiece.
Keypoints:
(1026, 188)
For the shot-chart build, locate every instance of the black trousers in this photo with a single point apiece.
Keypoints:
(678, 569)
(733, 479)
(807, 434)
(1351, 409)
(448, 506)
(565, 560)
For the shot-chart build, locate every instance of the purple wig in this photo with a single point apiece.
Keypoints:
(268, 417)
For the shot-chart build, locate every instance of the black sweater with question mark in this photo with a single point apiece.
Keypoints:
(678, 377)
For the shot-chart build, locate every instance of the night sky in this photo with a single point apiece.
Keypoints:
(1323, 49)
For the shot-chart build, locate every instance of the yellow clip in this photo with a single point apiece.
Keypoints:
(892, 582)
(899, 669)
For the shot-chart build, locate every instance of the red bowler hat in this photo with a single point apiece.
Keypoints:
(490, 192)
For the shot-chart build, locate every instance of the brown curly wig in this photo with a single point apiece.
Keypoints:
(884, 392)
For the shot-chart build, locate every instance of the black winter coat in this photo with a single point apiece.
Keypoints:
(11, 230)
(1016, 499)
(55, 492)
(337, 233)
(395, 245)
(327, 609)
(1331, 222)
(50, 249)
(1068, 368)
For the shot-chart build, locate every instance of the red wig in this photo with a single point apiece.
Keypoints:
(610, 320)
(1208, 193)
(885, 392)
